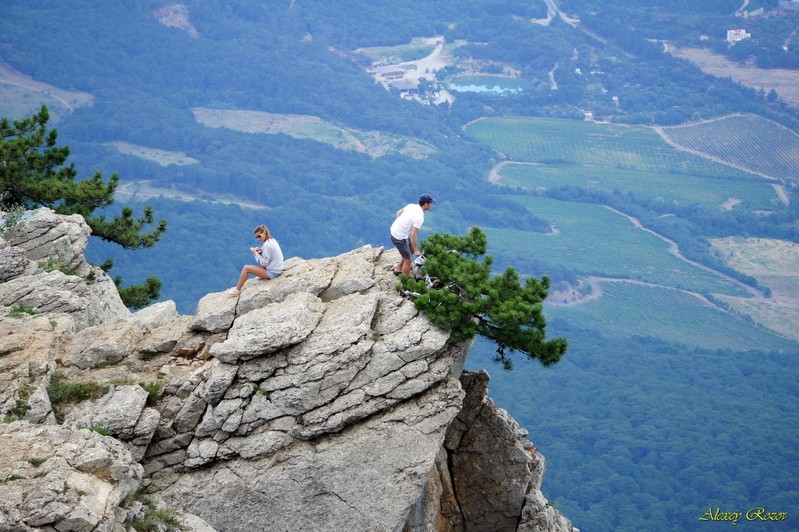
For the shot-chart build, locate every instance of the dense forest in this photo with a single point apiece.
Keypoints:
(640, 433)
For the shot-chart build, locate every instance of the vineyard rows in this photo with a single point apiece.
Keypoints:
(550, 153)
(594, 145)
(746, 141)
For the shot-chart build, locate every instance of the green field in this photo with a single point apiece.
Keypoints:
(670, 188)
(555, 153)
(627, 309)
(748, 141)
(592, 239)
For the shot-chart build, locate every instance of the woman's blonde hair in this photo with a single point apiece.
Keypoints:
(261, 229)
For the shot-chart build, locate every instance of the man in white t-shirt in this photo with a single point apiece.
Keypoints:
(405, 231)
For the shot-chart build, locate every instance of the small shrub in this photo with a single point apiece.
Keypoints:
(21, 406)
(260, 390)
(61, 392)
(53, 264)
(101, 430)
(155, 519)
(153, 389)
(146, 356)
(18, 411)
(10, 220)
(36, 462)
(18, 311)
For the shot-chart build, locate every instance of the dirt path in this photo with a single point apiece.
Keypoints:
(143, 190)
(742, 8)
(596, 291)
(674, 249)
(552, 9)
(10, 76)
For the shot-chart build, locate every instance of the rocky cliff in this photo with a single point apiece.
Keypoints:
(318, 401)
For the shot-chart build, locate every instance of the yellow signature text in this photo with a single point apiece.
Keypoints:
(753, 514)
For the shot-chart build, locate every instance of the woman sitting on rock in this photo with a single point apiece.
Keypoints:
(269, 258)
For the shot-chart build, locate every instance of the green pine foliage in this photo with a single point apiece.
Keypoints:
(461, 296)
(139, 295)
(33, 172)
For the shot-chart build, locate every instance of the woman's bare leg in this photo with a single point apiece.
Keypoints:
(258, 271)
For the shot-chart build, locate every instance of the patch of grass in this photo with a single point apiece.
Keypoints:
(17, 311)
(21, 406)
(101, 430)
(260, 390)
(136, 495)
(53, 264)
(153, 389)
(156, 519)
(18, 411)
(60, 391)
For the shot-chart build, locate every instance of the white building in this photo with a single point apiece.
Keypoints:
(734, 36)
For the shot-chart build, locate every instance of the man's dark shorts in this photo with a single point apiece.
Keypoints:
(403, 246)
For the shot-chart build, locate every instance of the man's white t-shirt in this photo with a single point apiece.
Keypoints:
(412, 216)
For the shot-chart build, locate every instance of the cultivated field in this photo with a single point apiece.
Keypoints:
(416, 49)
(593, 240)
(664, 186)
(161, 157)
(21, 95)
(375, 143)
(746, 141)
(554, 141)
(626, 270)
(670, 315)
(550, 153)
(144, 190)
(775, 264)
(784, 81)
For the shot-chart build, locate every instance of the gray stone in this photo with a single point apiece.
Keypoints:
(215, 313)
(61, 478)
(53, 244)
(266, 330)
(117, 411)
(220, 380)
(353, 274)
(314, 486)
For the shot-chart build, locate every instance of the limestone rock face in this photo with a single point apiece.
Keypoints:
(321, 400)
(43, 268)
(58, 477)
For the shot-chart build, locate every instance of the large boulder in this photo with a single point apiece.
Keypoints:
(59, 478)
(44, 270)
